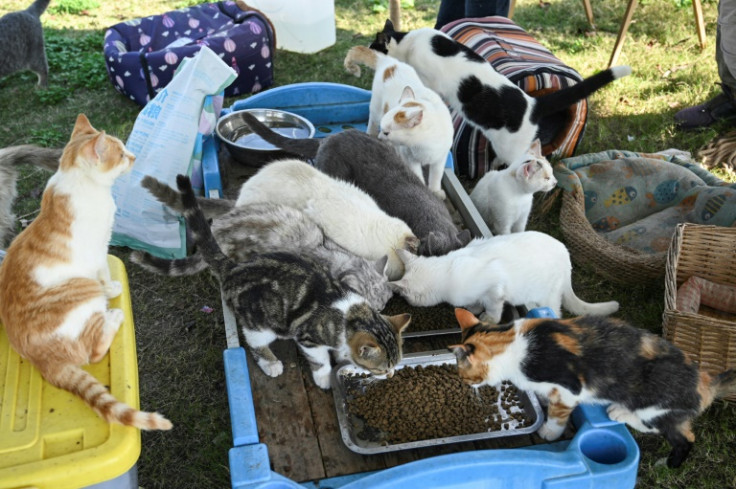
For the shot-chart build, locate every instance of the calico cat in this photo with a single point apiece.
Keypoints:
(55, 282)
(346, 214)
(530, 269)
(504, 198)
(649, 382)
(243, 231)
(506, 115)
(406, 113)
(284, 295)
(22, 44)
(10, 158)
(376, 168)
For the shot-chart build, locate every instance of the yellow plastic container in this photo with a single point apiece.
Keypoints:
(51, 439)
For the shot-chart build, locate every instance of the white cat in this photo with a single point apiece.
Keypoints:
(406, 113)
(508, 117)
(530, 268)
(504, 198)
(346, 214)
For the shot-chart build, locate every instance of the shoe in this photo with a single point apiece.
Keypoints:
(718, 108)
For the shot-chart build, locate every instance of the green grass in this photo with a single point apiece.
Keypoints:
(180, 346)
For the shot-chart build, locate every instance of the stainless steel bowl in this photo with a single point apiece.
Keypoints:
(247, 147)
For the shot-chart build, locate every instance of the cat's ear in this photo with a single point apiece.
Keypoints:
(94, 150)
(412, 117)
(381, 265)
(82, 126)
(407, 94)
(465, 237)
(411, 244)
(398, 286)
(368, 348)
(465, 318)
(388, 26)
(536, 148)
(462, 354)
(399, 322)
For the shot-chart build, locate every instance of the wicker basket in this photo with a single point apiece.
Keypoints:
(708, 337)
(617, 263)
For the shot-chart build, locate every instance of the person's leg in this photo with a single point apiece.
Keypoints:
(485, 8)
(448, 11)
(722, 106)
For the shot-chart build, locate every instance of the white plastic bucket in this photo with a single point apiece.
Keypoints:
(302, 26)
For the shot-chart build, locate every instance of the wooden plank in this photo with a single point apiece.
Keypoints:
(284, 417)
(336, 457)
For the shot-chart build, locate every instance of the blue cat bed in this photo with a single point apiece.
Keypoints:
(620, 209)
(602, 454)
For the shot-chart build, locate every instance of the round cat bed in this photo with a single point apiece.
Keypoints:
(523, 60)
(142, 55)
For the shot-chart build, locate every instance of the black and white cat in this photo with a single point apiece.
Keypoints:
(504, 198)
(507, 116)
(407, 114)
(22, 44)
(376, 168)
(284, 295)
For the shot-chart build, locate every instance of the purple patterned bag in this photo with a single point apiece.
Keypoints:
(142, 54)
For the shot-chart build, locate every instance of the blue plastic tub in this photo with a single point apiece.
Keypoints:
(602, 454)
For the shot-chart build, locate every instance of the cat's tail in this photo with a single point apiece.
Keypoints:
(179, 267)
(722, 385)
(579, 307)
(358, 55)
(561, 99)
(47, 158)
(304, 148)
(38, 7)
(81, 383)
(171, 198)
(201, 232)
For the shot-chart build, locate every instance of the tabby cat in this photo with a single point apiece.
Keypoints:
(530, 269)
(376, 168)
(55, 282)
(504, 198)
(22, 44)
(244, 231)
(507, 116)
(650, 383)
(407, 114)
(10, 158)
(284, 295)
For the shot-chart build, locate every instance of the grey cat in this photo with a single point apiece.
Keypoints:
(376, 168)
(288, 296)
(246, 230)
(22, 44)
(10, 158)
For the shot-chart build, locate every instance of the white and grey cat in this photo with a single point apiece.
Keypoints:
(406, 113)
(288, 296)
(507, 116)
(531, 269)
(22, 44)
(346, 214)
(504, 198)
(376, 168)
(10, 158)
(244, 231)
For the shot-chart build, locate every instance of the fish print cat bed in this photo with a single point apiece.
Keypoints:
(635, 200)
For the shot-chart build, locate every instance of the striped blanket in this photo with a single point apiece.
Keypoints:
(523, 60)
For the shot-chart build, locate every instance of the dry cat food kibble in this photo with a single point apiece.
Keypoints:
(428, 402)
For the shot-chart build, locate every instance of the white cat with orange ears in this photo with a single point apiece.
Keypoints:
(55, 282)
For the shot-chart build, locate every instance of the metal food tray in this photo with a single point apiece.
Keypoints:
(350, 424)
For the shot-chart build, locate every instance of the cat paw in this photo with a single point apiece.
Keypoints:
(112, 289)
(322, 380)
(440, 193)
(272, 369)
(114, 318)
(550, 431)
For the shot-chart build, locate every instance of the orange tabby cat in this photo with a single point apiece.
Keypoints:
(55, 281)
